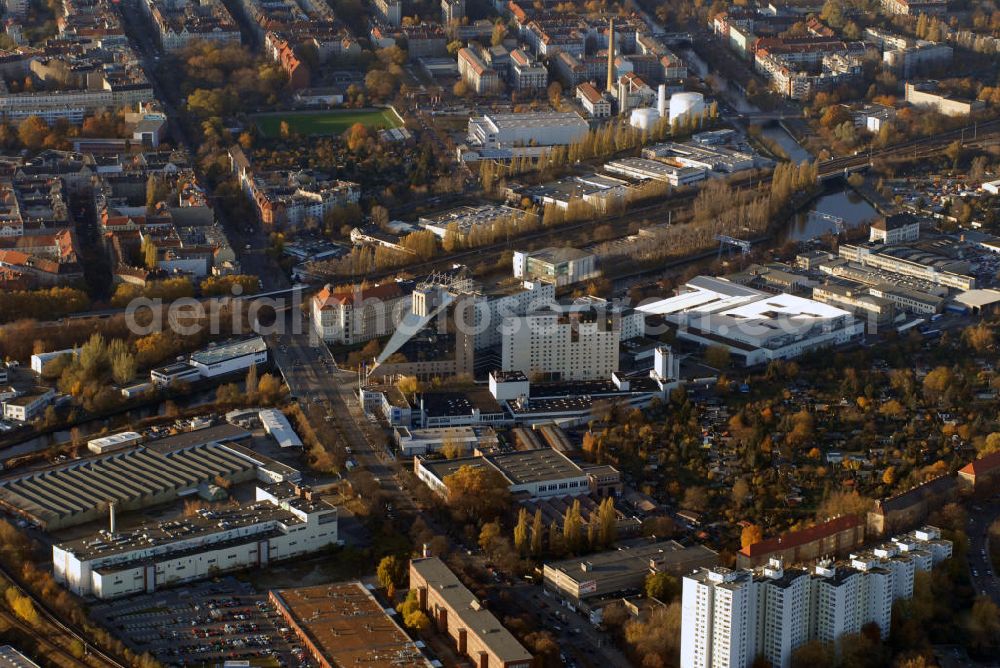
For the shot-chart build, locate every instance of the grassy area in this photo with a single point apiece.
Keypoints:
(311, 123)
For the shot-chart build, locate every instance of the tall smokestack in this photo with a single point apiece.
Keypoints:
(611, 55)
(661, 103)
(113, 525)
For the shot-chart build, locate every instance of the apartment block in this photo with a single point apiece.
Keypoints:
(729, 618)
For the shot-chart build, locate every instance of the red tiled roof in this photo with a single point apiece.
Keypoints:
(982, 465)
(327, 297)
(803, 536)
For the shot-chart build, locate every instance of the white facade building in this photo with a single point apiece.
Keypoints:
(543, 128)
(230, 357)
(573, 343)
(729, 618)
(112, 564)
(755, 326)
(355, 316)
(562, 266)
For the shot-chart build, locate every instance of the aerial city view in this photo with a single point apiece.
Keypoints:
(500, 333)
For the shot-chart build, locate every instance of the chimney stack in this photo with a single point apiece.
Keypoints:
(611, 55)
(661, 103)
(426, 551)
(113, 528)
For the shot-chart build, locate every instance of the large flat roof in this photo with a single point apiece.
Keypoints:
(127, 477)
(633, 557)
(229, 350)
(347, 625)
(519, 468)
(470, 612)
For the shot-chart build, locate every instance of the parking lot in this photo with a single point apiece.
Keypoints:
(206, 623)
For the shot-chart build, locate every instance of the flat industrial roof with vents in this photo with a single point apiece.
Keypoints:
(343, 625)
(79, 491)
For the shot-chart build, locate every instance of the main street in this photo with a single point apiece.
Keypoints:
(313, 378)
(246, 237)
(984, 578)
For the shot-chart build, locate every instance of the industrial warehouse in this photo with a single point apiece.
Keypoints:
(157, 472)
(625, 569)
(110, 563)
(341, 624)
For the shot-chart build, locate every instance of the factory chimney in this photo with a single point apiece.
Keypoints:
(611, 55)
(661, 103)
(113, 525)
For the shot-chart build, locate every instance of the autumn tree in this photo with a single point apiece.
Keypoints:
(662, 586)
(751, 534)
(477, 492)
(521, 531)
(573, 528)
(537, 533)
(718, 357)
(390, 572)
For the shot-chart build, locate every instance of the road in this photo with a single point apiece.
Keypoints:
(984, 579)
(247, 238)
(313, 378)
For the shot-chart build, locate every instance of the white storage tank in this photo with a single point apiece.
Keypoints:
(686, 103)
(644, 118)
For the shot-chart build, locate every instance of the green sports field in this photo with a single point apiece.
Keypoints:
(314, 123)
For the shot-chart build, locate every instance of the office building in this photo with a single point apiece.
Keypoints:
(113, 563)
(895, 229)
(390, 11)
(526, 73)
(355, 316)
(624, 568)
(452, 11)
(594, 101)
(413, 442)
(575, 342)
(456, 612)
(562, 266)
(26, 407)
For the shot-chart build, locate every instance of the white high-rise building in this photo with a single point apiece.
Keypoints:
(729, 618)
(782, 613)
(720, 604)
(574, 342)
(834, 608)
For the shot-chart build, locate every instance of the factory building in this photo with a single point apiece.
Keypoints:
(213, 362)
(456, 612)
(755, 326)
(156, 472)
(643, 169)
(115, 563)
(544, 128)
(624, 569)
(536, 474)
(562, 266)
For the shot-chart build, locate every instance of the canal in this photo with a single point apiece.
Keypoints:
(843, 203)
(738, 101)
